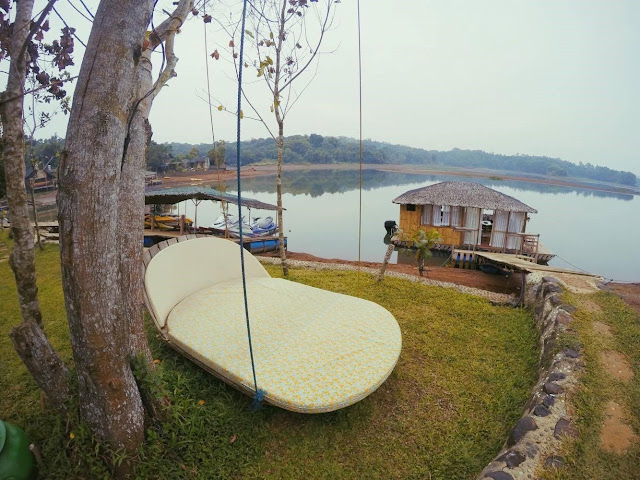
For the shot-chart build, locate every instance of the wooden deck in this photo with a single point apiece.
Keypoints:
(252, 244)
(518, 263)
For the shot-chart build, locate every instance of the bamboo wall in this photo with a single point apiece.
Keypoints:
(410, 221)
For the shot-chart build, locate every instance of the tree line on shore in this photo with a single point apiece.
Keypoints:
(317, 149)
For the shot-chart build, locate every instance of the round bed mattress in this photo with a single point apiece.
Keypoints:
(315, 351)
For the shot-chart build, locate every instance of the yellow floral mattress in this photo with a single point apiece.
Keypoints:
(315, 351)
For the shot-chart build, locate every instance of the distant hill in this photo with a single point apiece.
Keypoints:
(316, 149)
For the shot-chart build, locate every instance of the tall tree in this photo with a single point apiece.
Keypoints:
(101, 208)
(158, 154)
(285, 36)
(218, 154)
(22, 42)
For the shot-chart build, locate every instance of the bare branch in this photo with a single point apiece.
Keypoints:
(317, 48)
(72, 30)
(80, 11)
(87, 9)
(172, 24)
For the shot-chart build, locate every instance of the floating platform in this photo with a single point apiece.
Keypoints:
(251, 244)
(518, 263)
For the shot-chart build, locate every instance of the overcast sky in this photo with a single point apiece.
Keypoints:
(551, 77)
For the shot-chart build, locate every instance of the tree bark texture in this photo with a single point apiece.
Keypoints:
(132, 176)
(49, 371)
(34, 209)
(131, 203)
(280, 120)
(101, 203)
(44, 364)
(283, 254)
(385, 263)
(22, 259)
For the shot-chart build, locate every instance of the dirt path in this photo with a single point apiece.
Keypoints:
(469, 278)
(629, 292)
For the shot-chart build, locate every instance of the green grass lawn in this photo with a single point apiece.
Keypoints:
(463, 377)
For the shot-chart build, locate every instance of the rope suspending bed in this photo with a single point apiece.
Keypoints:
(315, 351)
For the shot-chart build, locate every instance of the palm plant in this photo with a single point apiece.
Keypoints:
(422, 243)
(419, 240)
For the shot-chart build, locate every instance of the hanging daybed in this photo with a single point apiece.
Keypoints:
(314, 350)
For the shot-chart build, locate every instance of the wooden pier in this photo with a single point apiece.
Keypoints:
(518, 263)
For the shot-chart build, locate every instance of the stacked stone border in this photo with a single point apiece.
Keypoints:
(536, 436)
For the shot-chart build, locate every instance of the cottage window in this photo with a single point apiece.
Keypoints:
(426, 214)
(441, 215)
(456, 217)
(411, 207)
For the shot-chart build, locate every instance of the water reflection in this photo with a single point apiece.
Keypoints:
(322, 216)
(318, 182)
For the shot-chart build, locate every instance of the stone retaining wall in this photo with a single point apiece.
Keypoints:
(535, 438)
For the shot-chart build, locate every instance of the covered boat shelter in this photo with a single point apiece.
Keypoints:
(170, 196)
(470, 215)
(165, 196)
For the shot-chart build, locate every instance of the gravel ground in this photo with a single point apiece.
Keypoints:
(498, 298)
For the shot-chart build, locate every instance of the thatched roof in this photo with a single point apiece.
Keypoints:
(160, 196)
(463, 194)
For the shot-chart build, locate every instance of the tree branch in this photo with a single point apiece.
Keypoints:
(168, 29)
(172, 24)
(315, 52)
(36, 25)
(33, 90)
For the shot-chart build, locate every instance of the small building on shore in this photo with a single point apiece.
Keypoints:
(41, 177)
(472, 216)
(198, 163)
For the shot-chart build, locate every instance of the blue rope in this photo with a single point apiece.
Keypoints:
(259, 394)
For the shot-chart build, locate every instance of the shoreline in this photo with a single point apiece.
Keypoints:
(199, 177)
(472, 278)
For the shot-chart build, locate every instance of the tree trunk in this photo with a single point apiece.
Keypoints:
(130, 232)
(12, 111)
(35, 215)
(387, 257)
(46, 367)
(100, 214)
(49, 371)
(283, 254)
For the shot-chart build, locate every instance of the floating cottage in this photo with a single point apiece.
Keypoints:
(474, 217)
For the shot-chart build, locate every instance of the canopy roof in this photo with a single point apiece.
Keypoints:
(463, 194)
(154, 196)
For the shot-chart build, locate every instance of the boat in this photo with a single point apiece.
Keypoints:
(259, 227)
(257, 236)
(165, 222)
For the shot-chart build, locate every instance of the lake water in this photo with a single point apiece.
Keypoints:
(594, 231)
